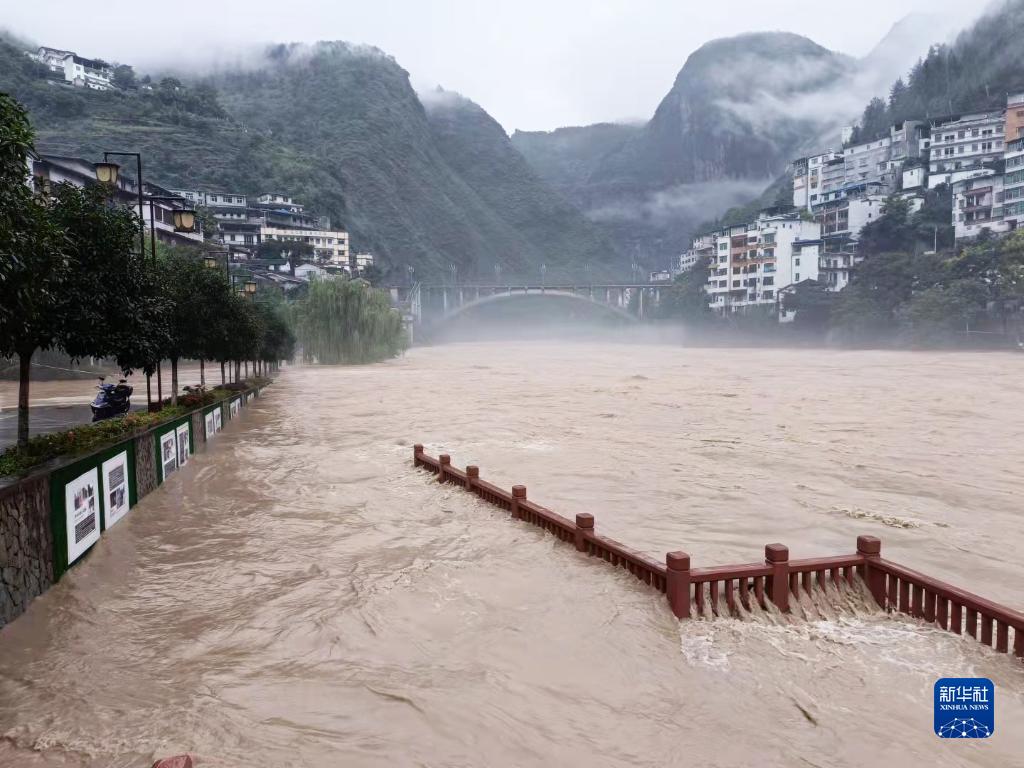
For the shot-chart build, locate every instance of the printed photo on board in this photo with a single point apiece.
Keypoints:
(211, 425)
(82, 512)
(218, 419)
(168, 453)
(183, 445)
(115, 488)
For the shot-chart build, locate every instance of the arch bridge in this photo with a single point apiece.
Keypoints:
(436, 304)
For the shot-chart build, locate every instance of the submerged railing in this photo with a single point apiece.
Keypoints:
(775, 582)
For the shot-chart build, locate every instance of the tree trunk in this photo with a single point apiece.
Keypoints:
(174, 381)
(202, 373)
(159, 386)
(238, 370)
(24, 377)
(149, 392)
(223, 381)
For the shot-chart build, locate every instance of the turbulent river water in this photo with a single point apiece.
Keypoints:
(299, 595)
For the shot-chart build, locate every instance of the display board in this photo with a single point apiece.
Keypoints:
(211, 425)
(116, 498)
(218, 419)
(183, 444)
(82, 513)
(168, 453)
(234, 406)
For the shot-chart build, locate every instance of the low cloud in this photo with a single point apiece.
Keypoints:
(684, 202)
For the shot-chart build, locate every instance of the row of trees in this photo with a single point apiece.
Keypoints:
(71, 280)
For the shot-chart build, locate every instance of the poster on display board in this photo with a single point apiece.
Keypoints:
(211, 425)
(82, 513)
(168, 453)
(234, 406)
(115, 488)
(218, 419)
(183, 445)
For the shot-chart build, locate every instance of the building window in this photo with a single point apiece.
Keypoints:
(796, 261)
(796, 278)
(769, 281)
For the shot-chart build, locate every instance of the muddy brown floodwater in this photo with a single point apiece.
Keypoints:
(300, 596)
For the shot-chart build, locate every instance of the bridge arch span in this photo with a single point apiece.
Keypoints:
(554, 293)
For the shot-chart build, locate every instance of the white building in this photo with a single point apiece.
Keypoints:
(77, 70)
(328, 245)
(752, 262)
(964, 144)
(1013, 184)
(978, 206)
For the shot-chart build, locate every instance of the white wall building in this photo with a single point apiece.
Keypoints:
(965, 144)
(1013, 184)
(751, 263)
(329, 245)
(978, 205)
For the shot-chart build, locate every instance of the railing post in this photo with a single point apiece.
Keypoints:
(777, 556)
(870, 548)
(444, 461)
(518, 492)
(677, 583)
(584, 525)
(417, 451)
(472, 475)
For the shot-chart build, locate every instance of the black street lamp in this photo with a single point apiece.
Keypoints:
(107, 173)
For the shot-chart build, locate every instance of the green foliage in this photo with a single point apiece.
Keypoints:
(686, 299)
(124, 77)
(293, 251)
(929, 299)
(17, 461)
(347, 321)
(813, 304)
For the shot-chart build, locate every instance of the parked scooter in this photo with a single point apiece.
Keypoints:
(112, 400)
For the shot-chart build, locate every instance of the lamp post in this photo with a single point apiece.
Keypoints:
(184, 219)
(107, 173)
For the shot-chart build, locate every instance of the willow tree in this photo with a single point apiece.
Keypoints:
(347, 321)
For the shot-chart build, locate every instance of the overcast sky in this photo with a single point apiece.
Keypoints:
(533, 64)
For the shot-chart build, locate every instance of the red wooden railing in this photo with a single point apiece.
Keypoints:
(775, 582)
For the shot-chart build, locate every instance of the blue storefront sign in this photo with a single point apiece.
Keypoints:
(965, 708)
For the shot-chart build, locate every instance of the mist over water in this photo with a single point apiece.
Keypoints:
(299, 595)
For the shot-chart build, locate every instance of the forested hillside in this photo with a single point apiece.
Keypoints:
(975, 73)
(339, 128)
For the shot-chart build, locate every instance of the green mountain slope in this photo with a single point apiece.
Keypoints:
(339, 128)
(477, 148)
(734, 118)
(975, 73)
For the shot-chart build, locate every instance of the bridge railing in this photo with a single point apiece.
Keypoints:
(769, 585)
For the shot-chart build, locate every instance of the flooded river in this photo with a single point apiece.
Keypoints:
(298, 595)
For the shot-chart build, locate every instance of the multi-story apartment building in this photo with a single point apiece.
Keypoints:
(841, 222)
(702, 248)
(978, 205)
(964, 144)
(811, 175)
(752, 262)
(328, 245)
(1013, 183)
(1014, 117)
(77, 70)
